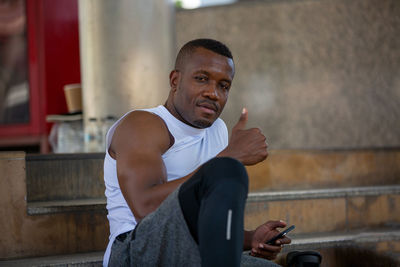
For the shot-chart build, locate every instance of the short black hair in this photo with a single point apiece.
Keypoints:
(210, 44)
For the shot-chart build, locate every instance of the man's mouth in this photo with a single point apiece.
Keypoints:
(208, 107)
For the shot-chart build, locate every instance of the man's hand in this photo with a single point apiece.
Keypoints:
(246, 145)
(263, 233)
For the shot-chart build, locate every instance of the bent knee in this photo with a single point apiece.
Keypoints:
(222, 168)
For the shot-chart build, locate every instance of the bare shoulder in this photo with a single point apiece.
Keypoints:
(141, 130)
(140, 119)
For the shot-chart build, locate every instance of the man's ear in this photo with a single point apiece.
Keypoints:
(174, 77)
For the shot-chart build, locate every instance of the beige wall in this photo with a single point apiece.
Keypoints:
(314, 74)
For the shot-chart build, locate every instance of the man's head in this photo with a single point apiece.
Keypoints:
(200, 82)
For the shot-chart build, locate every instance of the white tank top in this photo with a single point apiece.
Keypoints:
(192, 147)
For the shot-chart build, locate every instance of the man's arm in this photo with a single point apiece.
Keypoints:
(137, 146)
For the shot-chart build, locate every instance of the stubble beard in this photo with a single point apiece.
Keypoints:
(202, 124)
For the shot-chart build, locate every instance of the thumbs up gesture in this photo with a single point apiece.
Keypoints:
(246, 145)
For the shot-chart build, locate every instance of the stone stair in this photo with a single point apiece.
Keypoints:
(93, 259)
(337, 199)
(51, 205)
(65, 206)
(328, 220)
(327, 210)
(344, 203)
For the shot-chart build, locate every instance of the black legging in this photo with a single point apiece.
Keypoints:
(212, 202)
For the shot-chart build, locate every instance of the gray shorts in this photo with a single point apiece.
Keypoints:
(162, 238)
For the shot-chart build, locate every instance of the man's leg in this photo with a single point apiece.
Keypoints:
(212, 203)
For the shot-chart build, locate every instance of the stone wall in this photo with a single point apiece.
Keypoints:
(314, 74)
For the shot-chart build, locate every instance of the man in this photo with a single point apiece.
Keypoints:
(175, 187)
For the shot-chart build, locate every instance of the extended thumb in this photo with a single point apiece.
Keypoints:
(241, 124)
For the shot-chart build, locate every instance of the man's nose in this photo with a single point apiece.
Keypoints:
(211, 91)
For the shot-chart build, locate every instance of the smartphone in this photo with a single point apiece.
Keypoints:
(280, 235)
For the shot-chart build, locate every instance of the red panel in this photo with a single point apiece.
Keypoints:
(53, 51)
(61, 39)
(35, 96)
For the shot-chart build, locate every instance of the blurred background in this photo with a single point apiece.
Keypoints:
(313, 74)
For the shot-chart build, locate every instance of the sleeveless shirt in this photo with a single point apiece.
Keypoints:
(192, 148)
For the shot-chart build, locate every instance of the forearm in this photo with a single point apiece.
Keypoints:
(248, 236)
(150, 197)
(156, 194)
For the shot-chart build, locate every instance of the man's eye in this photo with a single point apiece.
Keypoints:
(201, 78)
(225, 86)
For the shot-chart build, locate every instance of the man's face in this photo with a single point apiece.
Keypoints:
(200, 89)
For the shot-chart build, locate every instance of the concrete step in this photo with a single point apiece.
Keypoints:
(373, 247)
(312, 211)
(52, 233)
(76, 176)
(64, 176)
(327, 210)
(92, 259)
(352, 238)
(311, 169)
(76, 222)
(66, 206)
(336, 248)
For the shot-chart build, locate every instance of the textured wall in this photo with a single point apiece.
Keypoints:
(314, 74)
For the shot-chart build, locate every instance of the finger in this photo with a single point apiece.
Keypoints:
(283, 241)
(241, 124)
(269, 248)
(275, 224)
